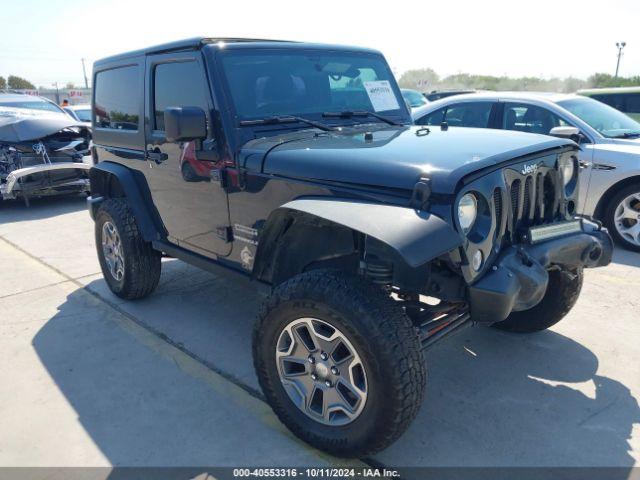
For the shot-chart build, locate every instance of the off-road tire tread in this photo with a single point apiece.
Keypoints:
(142, 263)
(389, 330)
(561, 296)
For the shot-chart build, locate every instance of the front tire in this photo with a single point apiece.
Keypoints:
(324, 320)
(562, 294)
(130, 265)
(622, 217)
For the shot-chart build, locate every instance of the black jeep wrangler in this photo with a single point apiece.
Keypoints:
(297, 165)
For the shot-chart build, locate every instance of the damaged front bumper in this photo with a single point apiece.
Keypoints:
(46, 179)
(518, 279)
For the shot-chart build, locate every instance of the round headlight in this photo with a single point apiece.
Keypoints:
(467, 211)
(566, 170)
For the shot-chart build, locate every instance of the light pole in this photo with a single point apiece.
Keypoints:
(84, 71)
(55, 84)
(620, 46)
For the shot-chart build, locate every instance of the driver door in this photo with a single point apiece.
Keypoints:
(193, 208)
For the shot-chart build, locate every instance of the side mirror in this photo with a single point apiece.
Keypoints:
(185, 123)
(570, 133)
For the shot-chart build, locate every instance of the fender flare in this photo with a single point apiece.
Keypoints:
(134, 187)
(414, 235)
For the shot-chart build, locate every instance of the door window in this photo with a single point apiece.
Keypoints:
(614, 100)
(530, 118)
(633, 103)
(177, 84)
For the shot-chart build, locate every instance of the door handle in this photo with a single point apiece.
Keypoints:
(157, 156)
(584, 164)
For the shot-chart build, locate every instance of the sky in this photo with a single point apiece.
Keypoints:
(44, 41)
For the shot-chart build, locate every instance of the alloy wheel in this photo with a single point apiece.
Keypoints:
(627, 219)
(112, 250)
(321, 371)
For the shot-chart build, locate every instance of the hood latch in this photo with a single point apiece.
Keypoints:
(421, 194)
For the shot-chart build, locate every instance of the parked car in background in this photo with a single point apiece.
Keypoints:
(413, 97)
(80, 112)
(610, 141)
(440, 94)
(29, 102)
(625, 99)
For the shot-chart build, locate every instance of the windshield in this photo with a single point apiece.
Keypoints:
(84, 115)
(281, 83)
(608, 121)
(32, 105)
(415, 98)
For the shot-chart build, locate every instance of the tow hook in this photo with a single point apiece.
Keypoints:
(525, 257)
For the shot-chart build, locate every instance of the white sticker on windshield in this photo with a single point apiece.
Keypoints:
(381, 95)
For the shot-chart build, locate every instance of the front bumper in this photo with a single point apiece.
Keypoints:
(518, 280)
(15, 185)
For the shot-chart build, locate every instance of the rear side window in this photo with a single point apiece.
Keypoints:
(632, 103)
(177, 85)
(614, 100)
(434, 118)
(117, 98)
(474, 114)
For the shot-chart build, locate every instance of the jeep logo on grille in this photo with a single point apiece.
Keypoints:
(532, 168)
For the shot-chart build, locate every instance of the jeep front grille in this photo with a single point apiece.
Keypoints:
(532, 202)
(497, 202)
(526, 209)
(515, 204)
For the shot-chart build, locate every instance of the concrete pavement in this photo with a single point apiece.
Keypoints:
(101, 381)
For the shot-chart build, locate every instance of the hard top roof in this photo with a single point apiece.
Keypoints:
(198, 42)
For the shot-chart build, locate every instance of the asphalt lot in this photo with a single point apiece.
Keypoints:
(94, 381)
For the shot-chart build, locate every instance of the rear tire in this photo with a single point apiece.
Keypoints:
(130, 265)
(385, 343)
(562, 294)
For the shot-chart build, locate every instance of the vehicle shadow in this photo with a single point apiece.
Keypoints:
(493, 399)
(626, 257)
(16, 211)
(143, 406)
(500, 399)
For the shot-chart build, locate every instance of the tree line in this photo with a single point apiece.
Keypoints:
(426, 79)
(14, 82)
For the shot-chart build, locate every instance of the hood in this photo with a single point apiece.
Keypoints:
(392, 157)
(22, 126)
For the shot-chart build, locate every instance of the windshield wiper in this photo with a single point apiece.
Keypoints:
(359, 113)
(628, 135)
(287, 119)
